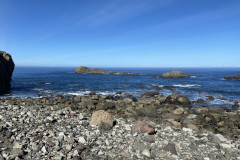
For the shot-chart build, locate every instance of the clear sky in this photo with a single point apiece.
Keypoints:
(121, 33)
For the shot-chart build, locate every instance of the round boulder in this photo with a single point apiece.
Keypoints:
(101, 116)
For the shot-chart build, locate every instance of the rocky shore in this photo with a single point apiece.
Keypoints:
(60, 128)
(86, 70)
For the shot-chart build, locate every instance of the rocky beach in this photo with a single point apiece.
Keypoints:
(115, 126)
(150, 127)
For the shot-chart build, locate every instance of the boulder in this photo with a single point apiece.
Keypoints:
(175, 74)
(6, 70)
(178, 99)
(101, 116)
(144, 127)
(237, 77)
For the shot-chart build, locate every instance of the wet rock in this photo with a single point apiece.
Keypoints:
(101, 117)
(149, 94)
(201, 101)
(142, 87)
(169, 89)
(236, 77)
(210, 98)
(41, 83)
(235, 106)
(143, 126)
(158, 88)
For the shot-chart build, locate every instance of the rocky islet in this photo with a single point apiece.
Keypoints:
(86, 70)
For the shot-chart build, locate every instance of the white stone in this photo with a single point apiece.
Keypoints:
(75, 153)
(221, 137)
(68, 147)
(17, 146)
(226, 146)
(100, 153)
(44, 150)
(187, 129)
(146, 152)
(107, 142)
(81, 140)
(81, 116)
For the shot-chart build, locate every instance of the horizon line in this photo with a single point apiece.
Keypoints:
(127, 67)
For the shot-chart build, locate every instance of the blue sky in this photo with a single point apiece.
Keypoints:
(121, 33)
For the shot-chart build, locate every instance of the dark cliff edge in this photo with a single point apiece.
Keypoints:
(6, 69)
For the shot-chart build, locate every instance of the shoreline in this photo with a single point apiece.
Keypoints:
(157, 108)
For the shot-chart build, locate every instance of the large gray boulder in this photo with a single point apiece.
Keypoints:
(6, 69)
(237, 77)
(173, 74)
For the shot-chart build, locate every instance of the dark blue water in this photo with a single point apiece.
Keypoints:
(64, 81)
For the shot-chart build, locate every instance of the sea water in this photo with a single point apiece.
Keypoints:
(63, 81)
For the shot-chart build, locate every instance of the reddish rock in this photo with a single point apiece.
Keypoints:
(143, 126)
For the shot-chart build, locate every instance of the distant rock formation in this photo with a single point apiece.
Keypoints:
(173, 74)
(237, 77)
(6, 70)
(83, 69)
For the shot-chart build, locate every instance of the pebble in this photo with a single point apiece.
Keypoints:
(27, 134)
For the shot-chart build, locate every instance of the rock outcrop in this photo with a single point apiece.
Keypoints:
(83, 69)
(237, 77)
(6, 70)
(173, 74)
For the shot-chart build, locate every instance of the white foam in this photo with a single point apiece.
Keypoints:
(193, 76)
(186, 85)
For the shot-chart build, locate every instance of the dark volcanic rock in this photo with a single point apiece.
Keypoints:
(237, 77)
(173, 74)
(83, 69)
(6, 70)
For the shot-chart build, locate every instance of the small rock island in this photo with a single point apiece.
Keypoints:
(6, 69)
(237, 77)
(173, 74)
(83, 69)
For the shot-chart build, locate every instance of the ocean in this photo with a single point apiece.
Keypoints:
(63, 81)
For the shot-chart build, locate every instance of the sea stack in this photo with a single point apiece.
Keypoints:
(173, 74)
(6, 69)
